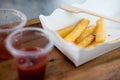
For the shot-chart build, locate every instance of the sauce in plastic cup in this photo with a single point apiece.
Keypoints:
(30, 47)
(10, 20)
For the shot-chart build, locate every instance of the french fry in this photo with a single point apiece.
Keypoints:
(88, 31)
(92, 45)
(85, 42)
(100, 31)
(65, 31)
(80, 27)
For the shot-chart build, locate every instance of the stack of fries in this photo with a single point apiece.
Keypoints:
(84, 35)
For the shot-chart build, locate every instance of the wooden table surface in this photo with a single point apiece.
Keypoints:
(59, 67)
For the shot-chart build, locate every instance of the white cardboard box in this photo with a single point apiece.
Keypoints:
(60, 18)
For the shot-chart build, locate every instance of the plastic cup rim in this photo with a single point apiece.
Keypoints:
(14, 51)
(22, 24)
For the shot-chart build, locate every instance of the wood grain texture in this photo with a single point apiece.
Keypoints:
(59, 67)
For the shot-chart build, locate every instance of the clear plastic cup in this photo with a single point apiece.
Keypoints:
(30, 47)
(10, 20)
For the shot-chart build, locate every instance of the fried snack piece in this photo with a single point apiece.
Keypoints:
(92, 45)
(88, 31)
(85, 42)
(65, 31)
(100, 31)
(79, 28)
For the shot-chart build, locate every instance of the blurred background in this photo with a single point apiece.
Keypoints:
(33, 8)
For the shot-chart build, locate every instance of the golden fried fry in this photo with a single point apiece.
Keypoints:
(100, 31)
(88, 31)
(80, 27)
(85, 42)
(92, 45)
(65, 31)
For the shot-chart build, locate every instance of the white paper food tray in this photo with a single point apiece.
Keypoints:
(60, 19)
